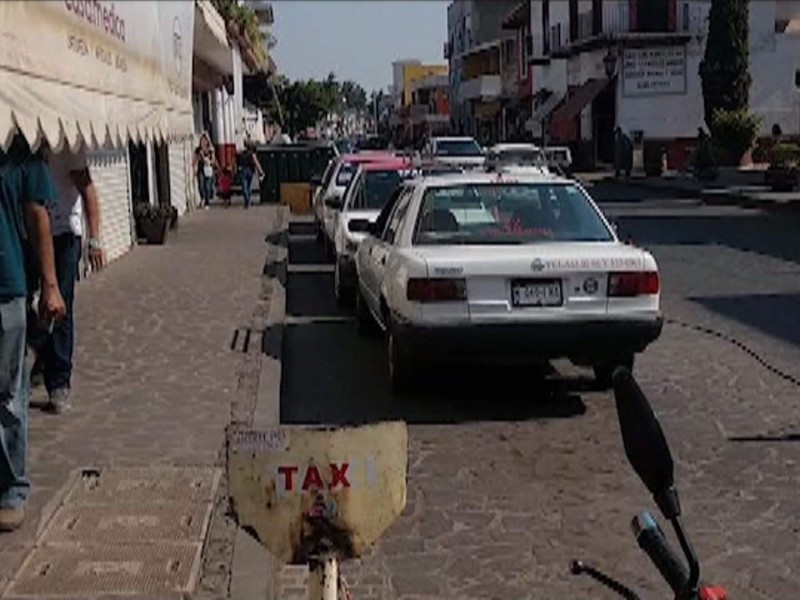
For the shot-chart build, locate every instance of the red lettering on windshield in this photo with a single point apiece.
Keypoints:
(515, 227)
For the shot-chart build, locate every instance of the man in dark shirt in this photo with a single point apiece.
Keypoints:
(25, 185)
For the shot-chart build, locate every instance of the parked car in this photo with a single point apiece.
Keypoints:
(482, 267)
(459, 151)
(369, 190)
(559, 159)
(516, 158)
(332, 187)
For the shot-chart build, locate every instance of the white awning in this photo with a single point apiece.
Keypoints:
(98, 70)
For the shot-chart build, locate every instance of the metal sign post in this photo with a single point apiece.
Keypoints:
(318, 496)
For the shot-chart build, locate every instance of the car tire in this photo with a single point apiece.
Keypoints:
(343, 295)
(399, 364)
(330, 253)
(603, 372)
(364, 320)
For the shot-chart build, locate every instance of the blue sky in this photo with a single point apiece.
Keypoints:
(356, 39)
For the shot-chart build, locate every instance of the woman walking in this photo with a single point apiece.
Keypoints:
(248, 161)
(205, 165)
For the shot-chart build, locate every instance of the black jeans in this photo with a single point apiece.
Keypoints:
(58, 347)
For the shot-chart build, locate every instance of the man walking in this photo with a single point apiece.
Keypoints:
(25, 185)
(75, 193)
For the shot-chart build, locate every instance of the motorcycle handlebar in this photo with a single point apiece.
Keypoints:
(653, 542)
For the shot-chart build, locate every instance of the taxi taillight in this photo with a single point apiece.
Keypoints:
(436, 289)
(633, 283)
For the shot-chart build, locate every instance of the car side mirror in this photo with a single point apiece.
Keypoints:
(359, 226)
(645, 445)
(316, 180)
(334, 202)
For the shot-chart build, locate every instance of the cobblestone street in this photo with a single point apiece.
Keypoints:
(509, 479)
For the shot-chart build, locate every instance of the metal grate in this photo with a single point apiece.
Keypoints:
(141, 485)
(79, 571)
(127, 523)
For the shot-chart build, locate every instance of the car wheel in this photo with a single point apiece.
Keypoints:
(604, 371)
(330, 253)
(399, 364)
(363, 316)
(342, 294)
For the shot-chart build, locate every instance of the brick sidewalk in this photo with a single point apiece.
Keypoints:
(155, 373)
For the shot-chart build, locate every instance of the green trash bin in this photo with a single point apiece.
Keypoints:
(270, 189)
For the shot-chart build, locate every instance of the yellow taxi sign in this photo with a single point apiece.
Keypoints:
(284, 482)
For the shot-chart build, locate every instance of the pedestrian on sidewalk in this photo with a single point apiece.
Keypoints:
(247, 162)
(26, 184)
(76, 195)
(206, 167)
(225, 186)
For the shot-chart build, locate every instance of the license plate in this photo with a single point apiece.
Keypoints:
(536, 293)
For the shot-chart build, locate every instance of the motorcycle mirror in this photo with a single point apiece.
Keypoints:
(645, 445)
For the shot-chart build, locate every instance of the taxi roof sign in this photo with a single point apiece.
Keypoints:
(292, 486)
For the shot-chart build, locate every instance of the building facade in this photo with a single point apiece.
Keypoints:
(599, 64)
(482, 59)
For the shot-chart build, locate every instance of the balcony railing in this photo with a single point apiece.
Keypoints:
(485, 86)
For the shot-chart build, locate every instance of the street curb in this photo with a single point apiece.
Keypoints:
(723, 198)
(253, 569)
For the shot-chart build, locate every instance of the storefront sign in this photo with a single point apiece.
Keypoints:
(94, 65)
(653, 71)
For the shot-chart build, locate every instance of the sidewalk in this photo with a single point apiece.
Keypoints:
(742, 189)
(155, 372)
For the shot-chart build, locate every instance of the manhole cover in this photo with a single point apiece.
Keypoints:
(80, 571)
(144, 486)
(123, 523)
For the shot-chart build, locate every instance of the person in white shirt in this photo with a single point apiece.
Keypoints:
(76, 195)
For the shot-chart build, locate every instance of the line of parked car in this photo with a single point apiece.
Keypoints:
(486, 256)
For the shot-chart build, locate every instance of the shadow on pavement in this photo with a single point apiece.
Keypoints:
(306, 252)
(770, 235)
(777, 315)
(333, 375)
(311, 295)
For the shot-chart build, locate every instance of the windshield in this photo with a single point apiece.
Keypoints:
(374, 189)
(345, 174)
(528, 158)
(508, 214)
(344, 146)
(458, 148)
(557, 155)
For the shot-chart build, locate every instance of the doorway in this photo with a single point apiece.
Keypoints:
(604, 113)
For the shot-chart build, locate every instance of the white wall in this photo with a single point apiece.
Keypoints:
(774, 58)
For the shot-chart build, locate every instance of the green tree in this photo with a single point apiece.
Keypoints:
(724, 70)
(304, 103)
(355, 96)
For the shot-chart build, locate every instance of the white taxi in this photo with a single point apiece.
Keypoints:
(372, 186)
(489, 267)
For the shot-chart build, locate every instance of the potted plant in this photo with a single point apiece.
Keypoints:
(151, 222)
(781, 175)
(704, 160)
(653, 154)
(173, 217)
(734, 132)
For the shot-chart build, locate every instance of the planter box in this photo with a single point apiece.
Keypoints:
(153, 230)
(781, 179)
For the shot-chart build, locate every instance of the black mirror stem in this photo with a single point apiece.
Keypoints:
(691, 591)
